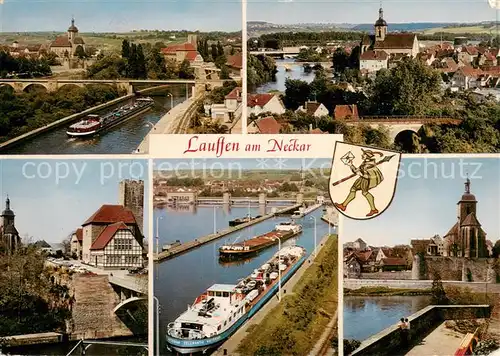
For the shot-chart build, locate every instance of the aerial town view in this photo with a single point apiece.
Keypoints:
(73, 255)
(411, 76)
(253, 244)
(425, 275)
(84, 78)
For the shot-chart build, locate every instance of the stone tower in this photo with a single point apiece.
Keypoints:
(72, 31)
(131, 196)
(380, 26)
(9, 236)
(193, 39)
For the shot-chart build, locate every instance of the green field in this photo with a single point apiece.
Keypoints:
(295, 325)
(106, 42)
(476, 29)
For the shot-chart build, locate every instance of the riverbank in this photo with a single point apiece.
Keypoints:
(385, 292)
(64, 121)
(169, 122)
(301, 318)
(185, 247)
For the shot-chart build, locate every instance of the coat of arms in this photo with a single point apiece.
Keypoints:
(363, 180)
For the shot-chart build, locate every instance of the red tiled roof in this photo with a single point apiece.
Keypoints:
(363, 256)
(311, 107)
(453, 230)
(492, 70)
(468, 71)
(268, 125)
(79, 234)
(61, 41)
(182, 47)
(235, 61)
(191, 56)
(470, 220)
(343, 111)
(470, 50)
(372, 55)
(259, 99)
(107, 234)
(109, 214)
(395, 41)
(78, 40)
(234, 94)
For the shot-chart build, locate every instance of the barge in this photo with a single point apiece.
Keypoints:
(94, 124)
(223, 308)
(244, 220)
(281, 232)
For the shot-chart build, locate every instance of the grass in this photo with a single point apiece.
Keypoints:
(295, 325)
(384, 291)
(460, 30)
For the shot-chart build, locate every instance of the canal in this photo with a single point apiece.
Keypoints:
(180, 280)
(367, 316)
(122, 139)
(296, 72)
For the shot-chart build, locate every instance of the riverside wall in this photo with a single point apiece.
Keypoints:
(388, 341)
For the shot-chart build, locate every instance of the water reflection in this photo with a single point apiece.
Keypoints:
(296, 72)
(366, 316)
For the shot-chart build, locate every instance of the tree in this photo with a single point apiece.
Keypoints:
(185, 70)
(224, 72)
(220, 49)
(438, 294)
(215, 52)
(496, 249)
(340, 60)
(296, 93)
(125, 48)
(407, 89)
(141, 63)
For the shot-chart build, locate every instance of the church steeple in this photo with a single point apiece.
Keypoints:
(380, 26)
(467, 186)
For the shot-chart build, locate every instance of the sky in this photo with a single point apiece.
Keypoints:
(425, 203)
(52, 198)
(224, 15)
(120, 15)
(366, 11)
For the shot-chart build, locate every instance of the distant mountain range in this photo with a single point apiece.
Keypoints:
(256, 28)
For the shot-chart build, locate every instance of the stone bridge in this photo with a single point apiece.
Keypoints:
(397, 125)
(52, 85)
(285, 51)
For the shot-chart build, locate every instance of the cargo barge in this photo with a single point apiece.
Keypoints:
(281, 232)
(223, 308)
(244, 220)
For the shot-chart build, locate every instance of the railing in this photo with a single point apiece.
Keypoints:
(83, 345)
(177, 332)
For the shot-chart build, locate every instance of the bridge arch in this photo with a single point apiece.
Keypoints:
(8, 85)
(35, 86)
(130, 302)
(69, 86)
(407, 140)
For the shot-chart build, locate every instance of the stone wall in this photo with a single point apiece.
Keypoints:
(92, 315)
(457, 269)
(403, 275)
(388, 341)
(131, 196)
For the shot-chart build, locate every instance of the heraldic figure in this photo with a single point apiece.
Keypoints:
(369, 176)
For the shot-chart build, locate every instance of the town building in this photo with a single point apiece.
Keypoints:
(466, 238)
(9, 237)
(182, 197)
(390, 43)
(235, 64)
(264, 125)
(265, 103)
(67, 46)
(227, 111)
(343, 112)
(76, 243)
(112, 239)
(184, 51)
(371, 61)
(313, 108)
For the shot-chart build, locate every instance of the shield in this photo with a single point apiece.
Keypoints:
(363, 180)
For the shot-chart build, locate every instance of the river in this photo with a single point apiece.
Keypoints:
(367, 316)
(296, 72)
(122, 139)
(180, 280)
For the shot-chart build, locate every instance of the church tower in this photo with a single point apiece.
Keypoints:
(72, 31)
(467, 204)
(9, 236)
(380, 26)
